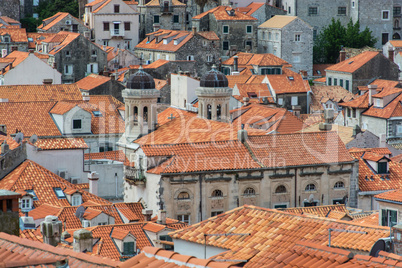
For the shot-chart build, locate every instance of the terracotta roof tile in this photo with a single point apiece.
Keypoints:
(321, 94)
(31, 176)
(120, 234)
(392, 109)
(110, 155)
(131, 211)
(154, 227)
(53, 20)
(9, 20)
(14, 58)
(250, 59)
(321, 211)
(352, 64)
(255, 92)
(344, 133)
(396, 43)
(170, 46)
(61, 144)
(251, 8)
(274, 233)
(372, 219)
(288, 82)
(17, 35)
(278, 21)
(22, 252)
(222, 13)
(360, 102)
(65, 39)
(209, 35)
(92, 81)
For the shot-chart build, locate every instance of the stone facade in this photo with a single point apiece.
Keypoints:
(293, 43)
(10, 8)
(67, 23)
(11, 159)
(170, 16)
(111, 87)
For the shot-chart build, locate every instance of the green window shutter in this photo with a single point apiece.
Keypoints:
(384, 217)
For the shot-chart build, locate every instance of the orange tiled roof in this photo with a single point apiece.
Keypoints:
(396, 43)
(318, 148)
(15, 57)
(17, 35)
(66, 39)
(163, 117)
(171, 223)
(278, 21)
(249, 59)
(321, 94)
(21, 252)
(11, 142)
(119, 233)
(321, 211)
(111, 155)
(344, 133)
(392, 109)
(320, 80)
(209, 35)
(395, 196)
(372, 219)
(311, 119)
(31, 176)
(92, 81)
(159, 84)
(274, 232)
(201, 156)
(255, 92)
(61, 144)
(369, 180)
(251, 8)
(237, 79)
(131, 211)
(28, 93)
(9, 20)
(157, 257)
(182, 36)
(270, 119)
(190, 129)
(360, 102)
(29, 117)
(352, 64)
(53, 20)
(154, 227)
(222, 13)
(288, 82)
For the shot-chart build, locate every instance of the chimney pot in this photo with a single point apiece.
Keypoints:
(342, 55)
(242, 134)
(82, 241)
(51, 229)
(147, 214)
(162, 217)
(391, 54)
(93, 178)
(194, 30)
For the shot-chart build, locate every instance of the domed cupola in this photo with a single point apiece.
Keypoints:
(140, 80)
(214, 78)
(213, 96)
(140, 98)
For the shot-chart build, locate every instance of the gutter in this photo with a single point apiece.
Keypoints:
(373, 192)
(388, 201)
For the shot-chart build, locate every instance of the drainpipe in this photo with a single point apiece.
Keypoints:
(200, 212)
(115, 177)
(295, 187)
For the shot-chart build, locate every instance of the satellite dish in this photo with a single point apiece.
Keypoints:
(19, 137)
(33, 139)
(311, 198)
(79, 213)
(383, 244)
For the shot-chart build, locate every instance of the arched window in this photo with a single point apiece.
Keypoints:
(281, 189)
(396, 36)
(135, 114)
(145, 115)
(339, 185)
(396, 24)
(310, 187)
(209, 111)
(249, 191)
(218, 112)
(217, 193)
(183, 196)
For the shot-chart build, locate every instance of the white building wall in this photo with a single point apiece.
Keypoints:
(377, 126)
(182, 90)
(195, 249)
(31, 71)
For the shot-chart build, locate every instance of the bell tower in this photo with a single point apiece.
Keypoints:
(140, 98)
(213, 96)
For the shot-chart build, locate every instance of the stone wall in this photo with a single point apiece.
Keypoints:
(10, 222)
(13, 158)
(10, 8)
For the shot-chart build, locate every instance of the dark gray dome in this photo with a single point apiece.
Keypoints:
(214, 78)
(140, 80)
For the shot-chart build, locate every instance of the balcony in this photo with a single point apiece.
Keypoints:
(134, 175)
(166, 9)
(116, 32)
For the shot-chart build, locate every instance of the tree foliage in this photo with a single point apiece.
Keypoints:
(48, 8)
(331, 39)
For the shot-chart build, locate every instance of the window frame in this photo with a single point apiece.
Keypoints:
(249, 191)
(297, 37)
(217, 193)
(225, 29)
(247, 29)
(342, 11)
(156, 19)
(106, 26)
(183, 198)
(339, 185)
(127, 26)
(385, 220)
(223, 45)
(176, 19)
(383, 12)
(59, 193)
(308, 188)
(116, 9)
(68, 69)
(75, 121)
(184, 218)
(312, 11)
(282, 187)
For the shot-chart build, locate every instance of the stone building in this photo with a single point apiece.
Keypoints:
(10, 8)
(288, 38)
(157, 14)
(63, 21)
(113, 23)
(95, 84)
(360, 70)
(236, 30)
(198, 47)
(73, 55)
(202, 170)
(13, 39)
(9, 216)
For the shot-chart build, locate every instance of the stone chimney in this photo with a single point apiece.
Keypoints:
(162, 216)
(391, 54)
(65, 235)
(342, 55)
(296, 110)
(242, 134)
(356, 130)
(82, 241)
(194, 30)
(235, 63)
(93, 178)
(85, 96)
(147, 214)
(246, 100)
(372, 91)
(5, 147)
(397, 230)
(51, 229)
(328, 116)
(47, 81)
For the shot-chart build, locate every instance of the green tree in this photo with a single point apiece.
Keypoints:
(330, 41)
(30, 24)
(48, 8)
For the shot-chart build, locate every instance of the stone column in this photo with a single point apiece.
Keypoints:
(130, 116)
(141, 118)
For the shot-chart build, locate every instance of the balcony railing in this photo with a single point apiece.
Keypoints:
(117, 32)
(134, 175)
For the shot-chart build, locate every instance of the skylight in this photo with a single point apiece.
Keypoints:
(31, 192)
(291, 78)
(97, 113)
(59, 193)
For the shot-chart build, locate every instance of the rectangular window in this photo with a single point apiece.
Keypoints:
(216, 213)
(329, 81)
(384, 38)
(127, 26)
(348, 109)
(249, 44)
(399, 129)
(312, 11)
(175, 18)
(354, 112)
(342, 11)
(297, 37)
(397, 11)
(347, 84)
(184, 218)
(106, 42)
(128, 248)
(294, 100)
(280, 101)
(68, 53)
(385, 15)
(26, 204)
(76, 200)
(116, 8)
(59, 193)
(314, 34)
(225, 29)
(106, 26)
(127, 44)
(335, 81)
(68, 69)
(338, 201)
(249, 29)
(389, 217)
(225, 45)
(310, 204)
(77, 124)
(382, 167)
(281, 206)
(341, 82)
(209, 58)
(156, 19)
